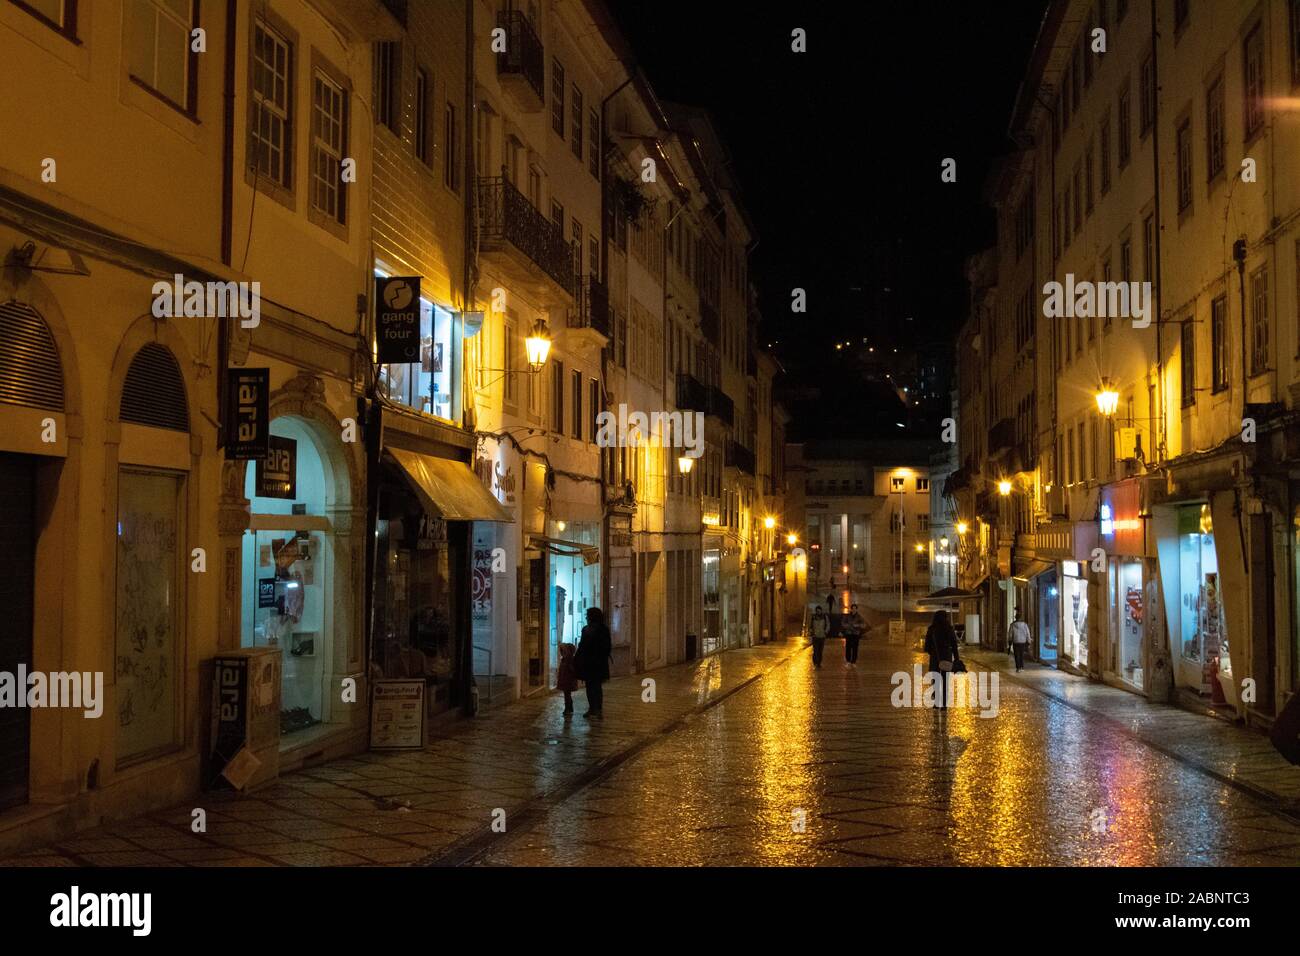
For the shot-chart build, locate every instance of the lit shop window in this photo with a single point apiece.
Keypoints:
(426, 385)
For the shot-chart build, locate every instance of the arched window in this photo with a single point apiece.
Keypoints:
(153, 462)
(30, 373)
(154, 392)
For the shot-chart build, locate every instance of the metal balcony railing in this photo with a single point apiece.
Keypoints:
(692, 394)
(591, 308)
(523, 55)
(738, 456)
(505, 214)
(720, 406)
(1002, 436)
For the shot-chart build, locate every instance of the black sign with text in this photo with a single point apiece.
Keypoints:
(397, 319)
(277, 473)
(247, 425)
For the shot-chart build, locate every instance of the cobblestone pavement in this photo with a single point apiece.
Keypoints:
(753, 757)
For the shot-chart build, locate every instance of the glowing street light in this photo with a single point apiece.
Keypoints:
(1107, 399)
(684, 464)
(769, 522)
(962, 527)
(538, 345)
(792, 539)
(1004, 488)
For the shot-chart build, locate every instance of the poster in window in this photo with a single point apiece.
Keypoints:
(148, 509)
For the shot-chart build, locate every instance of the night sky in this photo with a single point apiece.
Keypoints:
(838, 151)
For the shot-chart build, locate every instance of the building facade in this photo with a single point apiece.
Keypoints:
(1147, 518)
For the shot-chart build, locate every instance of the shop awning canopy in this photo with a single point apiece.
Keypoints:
(1033, 570)
(947, 597)
(448, 488)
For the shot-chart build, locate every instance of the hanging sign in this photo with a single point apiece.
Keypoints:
(277, 472)
(397, 319)
(247, 420)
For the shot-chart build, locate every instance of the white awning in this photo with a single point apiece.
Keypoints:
(448, 488)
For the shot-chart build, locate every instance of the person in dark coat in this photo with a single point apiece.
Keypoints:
(592, 660)
(941, 646)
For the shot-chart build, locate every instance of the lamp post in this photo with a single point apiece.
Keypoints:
(902, 488)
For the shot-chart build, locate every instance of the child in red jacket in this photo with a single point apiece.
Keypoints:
(567, 676)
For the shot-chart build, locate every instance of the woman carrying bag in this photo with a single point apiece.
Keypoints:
(941, 646)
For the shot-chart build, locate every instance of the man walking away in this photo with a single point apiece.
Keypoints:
(819, 623)
(1018, 636)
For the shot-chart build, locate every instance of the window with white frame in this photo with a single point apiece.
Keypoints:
(272, 132)
(158, 47)
(328, 128)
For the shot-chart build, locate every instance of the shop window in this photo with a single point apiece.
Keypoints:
(1129, 612)
(1075, 614)
(150, 522)
(1200, 606)
(429, 385)
(414, 613)
(287, 597)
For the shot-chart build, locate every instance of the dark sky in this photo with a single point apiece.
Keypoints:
(839, 149)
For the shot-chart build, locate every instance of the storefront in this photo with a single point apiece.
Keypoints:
(427, 507)
(573, 584)
(1189, 563)
(1122, 534)
(1074, 614)
(32, 399)
(287, 585)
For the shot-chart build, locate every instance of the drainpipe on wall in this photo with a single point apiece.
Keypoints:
(227, 203)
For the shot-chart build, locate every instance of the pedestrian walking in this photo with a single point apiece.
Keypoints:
(941, 646)
(853, 627)
(566, 678)
(591, 660)
(1018, 636)
(820, 623)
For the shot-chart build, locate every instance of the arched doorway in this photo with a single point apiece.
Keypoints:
(296, 565)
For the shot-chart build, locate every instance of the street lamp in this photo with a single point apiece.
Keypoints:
(1107, 399)
(943, 542)
(792, 539)
(1004, 488)
(684, 464)
(962, 527)
(769, 522)
(538, 345)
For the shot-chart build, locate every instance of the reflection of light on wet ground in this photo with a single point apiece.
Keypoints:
(787, 783)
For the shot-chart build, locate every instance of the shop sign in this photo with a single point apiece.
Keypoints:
(246, 422)
(1119, 519)
(397, 319)
(397, 715)
(277, 472)
(481, 583)
(265, 592)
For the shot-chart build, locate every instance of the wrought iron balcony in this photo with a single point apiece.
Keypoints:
(506, 217)
(591, 307)
(522, 64)
(720, 406)
(738, 456)
(692, 394)
(710, 323)
(1002, 436)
